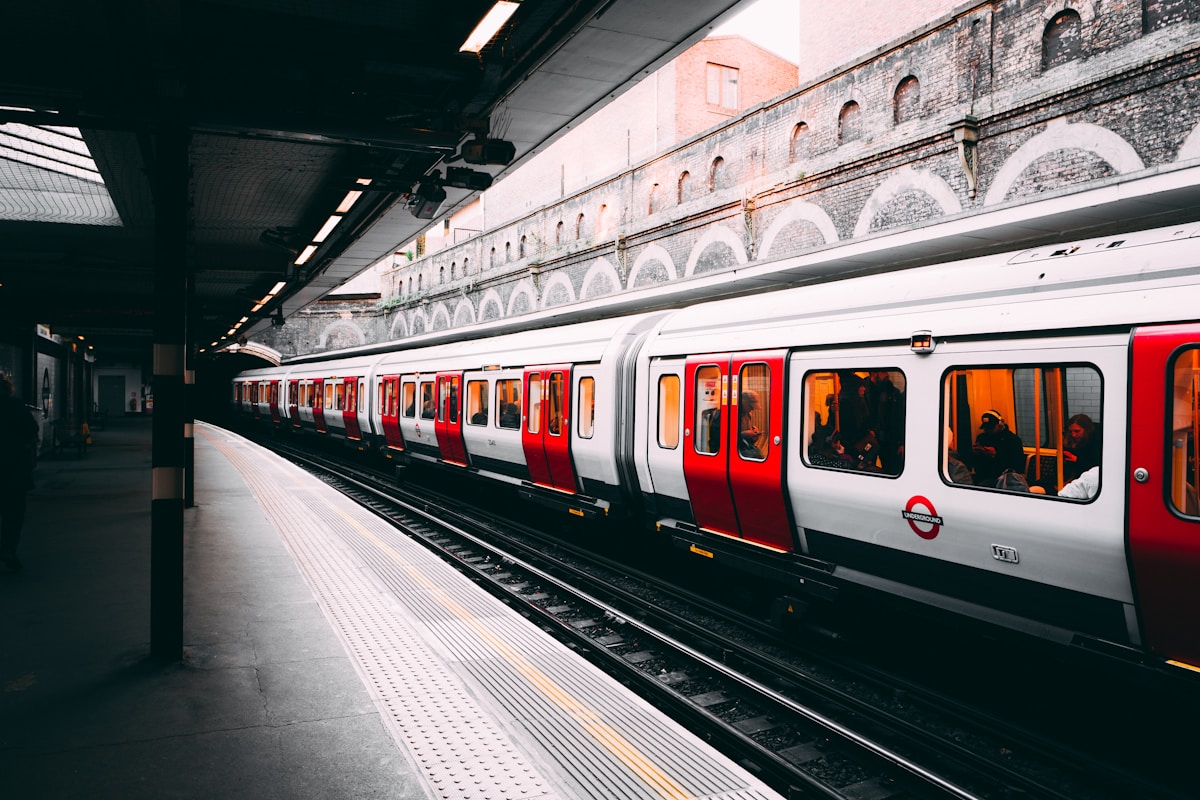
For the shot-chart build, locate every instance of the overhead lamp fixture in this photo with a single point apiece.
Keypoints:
(427, 199)
(488, 27)
(257, 306)
(482, 150)
(348, 201)
(243, 320)
(464, 178)
(327, 228)
(276, 289)
(305, 255)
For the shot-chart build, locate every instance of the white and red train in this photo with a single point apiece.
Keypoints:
(742, 429)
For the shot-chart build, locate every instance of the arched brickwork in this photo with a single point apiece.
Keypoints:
(343, 333)
(652, 266)
(718, 249)
(799, 225)
(601, 280)
(464, 314)
(522, 300)
(491, 307)
(557, 291)
(1060, 136)
(907, 196)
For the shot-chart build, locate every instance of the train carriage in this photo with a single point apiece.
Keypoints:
(903, 433)
(1032, 340)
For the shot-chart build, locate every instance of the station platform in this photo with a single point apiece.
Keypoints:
(326, 656)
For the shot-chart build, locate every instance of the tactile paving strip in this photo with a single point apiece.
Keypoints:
(447, 663)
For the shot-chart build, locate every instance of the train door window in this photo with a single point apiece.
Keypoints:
(754, 399)
(1184, 435)
(708, 410)
(587, 407)
(1020, 428)
(855, 419)
(302, 394)
(428, 406)
(408, 398)
(556, 393)
(477, 402)
(351, 402)
(328, 395)
(668, 411)
(508, 403)
(534, 425)
(339, 396)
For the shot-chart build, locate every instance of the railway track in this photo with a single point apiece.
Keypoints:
(729, 677)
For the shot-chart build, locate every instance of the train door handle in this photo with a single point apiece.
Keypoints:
(1141, 474)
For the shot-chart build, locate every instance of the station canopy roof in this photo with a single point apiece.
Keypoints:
(291, 107)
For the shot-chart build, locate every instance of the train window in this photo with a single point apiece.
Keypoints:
(477, 402)
(1185, 433)
(351, 403)
(534, 425)
(668, 411)
(339, 396)
(328, 396)
(428, 407)
(556, 393)
(855, 420)
(754, 398)
(587, 407)
(408, 397)
(708, 410)
(447, 399)
(508, 403)
(1020, 428)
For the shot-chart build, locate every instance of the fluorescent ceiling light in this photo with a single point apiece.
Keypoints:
(488, 27)
(327, 228)
(306, 254)
(276, 289)
(257, 307)
(348, 201)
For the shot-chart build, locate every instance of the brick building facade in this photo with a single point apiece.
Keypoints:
(1064, 95)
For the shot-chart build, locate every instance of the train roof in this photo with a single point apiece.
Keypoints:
(1139, 278)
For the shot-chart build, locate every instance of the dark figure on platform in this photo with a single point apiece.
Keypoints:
(18, 445)
(996, 449)
(1081, 448)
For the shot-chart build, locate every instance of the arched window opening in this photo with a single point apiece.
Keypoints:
(907, 101)
(521, 247)
(717, 174)
(652, 205)
(579, 231)
(492, 257)
(453, 270)
(601, 219)
(849, 123)
(799, 142)
(684, 190)
(558, 233)
(441, 275)
(421, 282)
(1062, 41)
(466, 261)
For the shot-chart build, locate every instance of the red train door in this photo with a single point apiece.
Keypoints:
(755, 449)
(705, 453)
(350, 410)
(274, 400)
(545, 435)
(293, 402)
(389, 411)
(1164, 513)
(448, 424)
(319, 405)
(733, 455)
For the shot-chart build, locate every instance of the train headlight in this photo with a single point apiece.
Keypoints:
(922, 342)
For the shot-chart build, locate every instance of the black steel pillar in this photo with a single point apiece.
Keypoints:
(189, 435)
(170, 179)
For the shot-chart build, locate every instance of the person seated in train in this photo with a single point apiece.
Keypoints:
(1081, 447)
(411, 407)
(428, 408)
(748, 433)
(825, 449)
(956, 469)
(996, 449)
(510, 416)
(480, 417)
(1084, 487)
